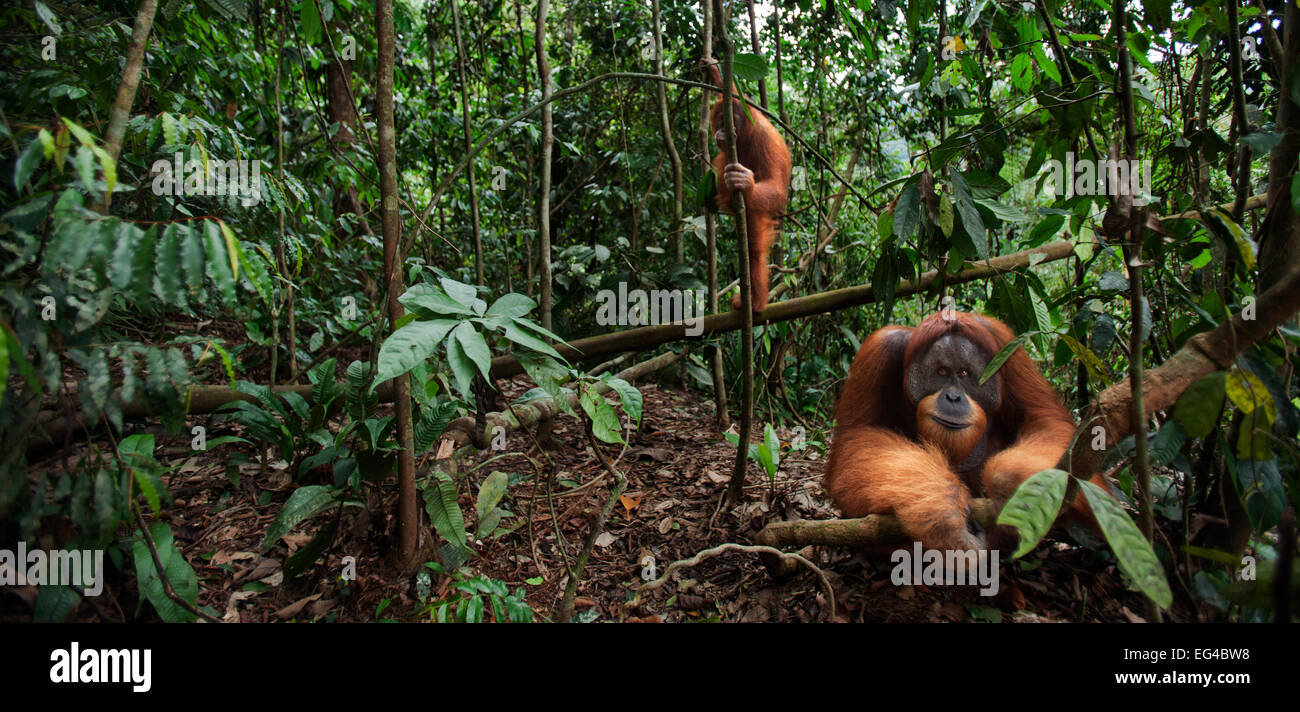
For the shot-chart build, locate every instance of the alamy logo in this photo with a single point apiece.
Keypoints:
(651, 308)
(178, 177)
(92, 666)
(1106, 177)
(83, 568)
(951, 567)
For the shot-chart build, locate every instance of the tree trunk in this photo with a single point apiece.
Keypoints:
(121, 109)
(408, 514)
(544, 197)
(464, 118)
(735, 489)
(666, 127)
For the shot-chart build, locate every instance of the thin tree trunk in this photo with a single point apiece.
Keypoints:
(464, 119)
(408, 515)
(666, 127)
(780, 77)
(1238, 111)
(279, 245)
(736, 489)
(1132, 249)
(121, 109)
(548, 141)
(1281, 233)
(753, 41)
(722, 418)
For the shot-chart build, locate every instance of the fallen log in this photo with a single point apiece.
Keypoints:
(522, 415)
(871, 530)
(874, 531)
(648, 337)
(52, 429)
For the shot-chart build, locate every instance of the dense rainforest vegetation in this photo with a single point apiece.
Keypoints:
(397, 310)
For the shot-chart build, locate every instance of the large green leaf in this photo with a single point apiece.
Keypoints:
(907, 211)
(177, 569)
(167, 268)
(1003, 354)
(1132, 551)
(432, 422)
(440, 502)
(430, 301)
(525, 338)
(1032, 508)
(604, 420)
(410, 346)
(475, 347)
(512, 305)
(304, 503)
(628, 394)
(1198, 408)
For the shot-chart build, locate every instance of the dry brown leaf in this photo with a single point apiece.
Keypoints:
(294, 608)
(629, 503)
(296, 541)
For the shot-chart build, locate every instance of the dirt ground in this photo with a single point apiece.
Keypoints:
(677, 467)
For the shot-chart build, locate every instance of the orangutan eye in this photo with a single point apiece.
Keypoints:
(963, 373)
(943, 370)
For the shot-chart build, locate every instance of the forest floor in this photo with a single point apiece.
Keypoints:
(677, 467)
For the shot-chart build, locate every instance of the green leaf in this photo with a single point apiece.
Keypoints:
(627, 394)
(177, 569)
(192, 256)
(512, 305)
(444, 511)
(1248, 393)
(309, 20)
(430, 301)
(945, 215)
(525, 338)
(433, 421)
(303, 504)
(142, 265)
(706, 190)
(167, 268)
(85, 164)
(475, 348)
(548, 375)
(303, 558)
(409, 347)
(1167, 443)
(907, 211)
(491, 492)
(1045, 63)
(1033, 507)
(1046, 229)
(463, 293)
(218, 262)
(27, 163)
(462, 368)
(1132, 551)
(1003, 354)
(1022, 72)
(255, 266)
(604, 421)
(749, 67)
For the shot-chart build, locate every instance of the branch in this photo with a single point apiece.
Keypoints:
(724, 548)
(648, 337)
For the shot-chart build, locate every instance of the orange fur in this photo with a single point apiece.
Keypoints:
(763, 151)
(888, 458)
